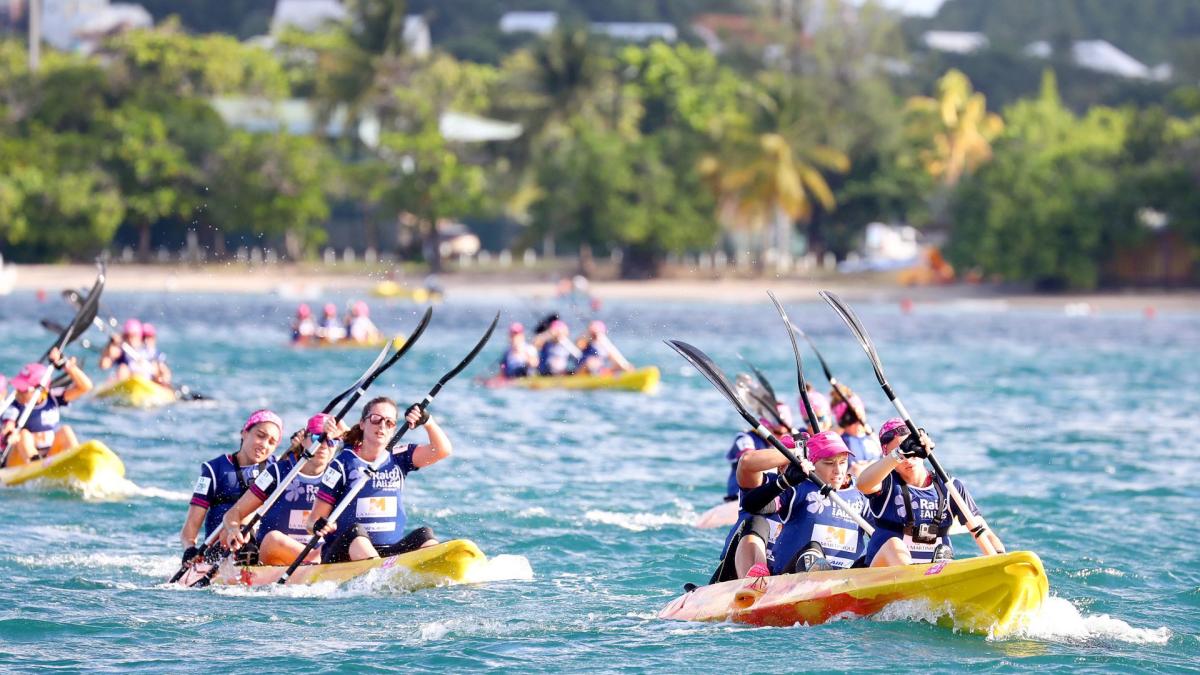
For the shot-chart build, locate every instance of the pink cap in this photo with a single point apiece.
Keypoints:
(515, 328)
(558, 324)
(892, 425)
(819, 403)
(360, 309)
(260, 416)
(839, 408)
(824, 445)
(785, 413)
(303, 311)
(148, 330)
(3, 383)
(598, 327)
(316, 423)
(133, 327)
(29, 377)
(330, 308)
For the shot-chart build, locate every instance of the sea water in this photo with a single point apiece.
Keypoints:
(1076, 435)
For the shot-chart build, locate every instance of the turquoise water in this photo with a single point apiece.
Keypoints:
(1074, 433)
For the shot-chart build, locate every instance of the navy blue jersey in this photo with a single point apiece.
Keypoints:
(807, 517)
(864, 448)
(556, 359)
(379, 506)
(931, 506)
(742, 443)
(220, 486)
(43, 420)
(289, 514)
(514, 363)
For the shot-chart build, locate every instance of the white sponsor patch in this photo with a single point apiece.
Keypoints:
(331, 477)
(837, 538)
(264, 481)
(376, 507)
(385, 526)
(298, 519)
(914, 547)
(202, 484)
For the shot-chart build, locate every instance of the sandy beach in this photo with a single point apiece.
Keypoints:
(299, 282)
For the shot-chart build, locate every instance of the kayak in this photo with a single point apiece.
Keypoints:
(724, 514)
(391, 289)
(137, 391)
(644, 380)
(983, 595)
(397, 342)
(447, 562)
(83, 463)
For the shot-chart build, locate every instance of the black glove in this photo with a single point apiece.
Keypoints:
(189, 553)
(424, 414)
(919, 445)
(792, 476)
(248, 554)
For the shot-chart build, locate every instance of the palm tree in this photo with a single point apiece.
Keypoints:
(956, 126)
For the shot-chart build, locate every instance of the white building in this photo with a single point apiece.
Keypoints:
(1103, 57)
(78, 25)
(538, 23)
(955, 41)
(313, 15)
(637, 31)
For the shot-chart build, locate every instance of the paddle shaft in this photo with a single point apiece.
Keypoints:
(833, 382)
(800, 383)
(351, 494)
(976, 525)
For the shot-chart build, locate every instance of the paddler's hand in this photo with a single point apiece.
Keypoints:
(335, 428)
(794, 475)
(231, 536)
(322, 527)
(916, 446)
(416, 416)
(189, 554)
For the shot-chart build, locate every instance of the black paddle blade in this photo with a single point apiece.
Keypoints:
(800, 383)
(860, 333)
(713, 374)
(53, 326)
(83, 319)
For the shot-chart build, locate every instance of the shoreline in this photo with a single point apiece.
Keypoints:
(302, 282)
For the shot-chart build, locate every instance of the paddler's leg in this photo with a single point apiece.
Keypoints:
(64, 439)
(893, 552)
(361, 548)
(751, 550)
(25, 450)
(279, 549)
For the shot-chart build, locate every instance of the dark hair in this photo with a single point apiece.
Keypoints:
(354, 437)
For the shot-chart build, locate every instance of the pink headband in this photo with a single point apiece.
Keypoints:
(260, 416)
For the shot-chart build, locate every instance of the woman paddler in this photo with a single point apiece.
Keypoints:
(521, 357)
(373, 525)
(850, 415)
(598, 354)
(224, 479)
(816, 534)
(281, 532)
(43, 433)
(913, 511)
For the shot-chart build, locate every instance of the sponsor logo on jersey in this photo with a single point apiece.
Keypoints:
(376, 507)
(837, 538)
(385, 526)
(264, 481)
(297, 519)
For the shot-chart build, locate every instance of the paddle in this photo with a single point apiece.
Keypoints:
(976, 526)
(808, 408)
(79, 324)
(833, 382)
(352, 493)
(713, 374)
(356, 391)
(767, 404)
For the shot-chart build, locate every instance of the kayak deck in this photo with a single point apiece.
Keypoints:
(450, 561)
(84, 463)
(397, 343)
(136, 391)
(643, 380)
(981, 595)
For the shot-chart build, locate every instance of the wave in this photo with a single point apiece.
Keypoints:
(638, 522)
(1061, 621)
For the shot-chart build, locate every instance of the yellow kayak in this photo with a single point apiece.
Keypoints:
(397, 342)
(443, 563)
(137, 391)
(982, 595)
(391, 289)
(81, 464)
(644, 380)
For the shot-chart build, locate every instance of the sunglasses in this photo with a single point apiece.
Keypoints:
(331, 442)
(892, 434)
(377, 419)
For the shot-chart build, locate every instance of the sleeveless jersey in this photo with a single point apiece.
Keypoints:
(220, 485)
(43, 420)
(379, 506)
(863, 448)
(139, 360)
(290, 513)
(807, 516)
(931, 506)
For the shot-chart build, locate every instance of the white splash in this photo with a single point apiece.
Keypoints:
(112, 488)
(1061, 621)
(150, 566)
(501, 568)
(638, 522)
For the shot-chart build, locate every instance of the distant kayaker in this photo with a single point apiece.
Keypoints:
(821, 410)
(359, 326)
(44, 433)
(779, 422)
(521, 358)
(557, 355)
(304, 327)
(851, 420)
(162, 372)
(128, 353)
(224, 479)
(912, 509)
(816, 533)
(598, 353)
(330, 329)
(281, 532)
(373, 526)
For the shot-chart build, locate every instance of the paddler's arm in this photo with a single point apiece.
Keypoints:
(616, 355)
(439, 446)
(751, 466)
(191, 525)
(872, 477)
(80, 382)
(231, 524)
(320, 510)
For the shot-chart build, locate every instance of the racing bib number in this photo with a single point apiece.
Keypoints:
(264, 481)
(377, 507)
(202, 484)
(330, 479)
